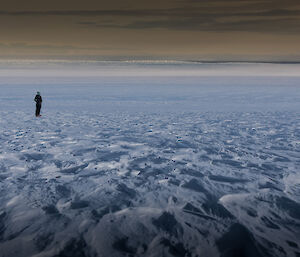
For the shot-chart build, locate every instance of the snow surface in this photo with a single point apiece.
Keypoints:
(150, 165)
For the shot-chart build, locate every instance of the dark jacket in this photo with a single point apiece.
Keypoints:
(38, 99)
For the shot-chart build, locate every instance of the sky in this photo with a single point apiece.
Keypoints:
(213, 30)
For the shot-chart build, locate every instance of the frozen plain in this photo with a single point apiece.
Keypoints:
(150, 159)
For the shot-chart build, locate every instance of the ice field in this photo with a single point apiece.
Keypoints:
(150, 159)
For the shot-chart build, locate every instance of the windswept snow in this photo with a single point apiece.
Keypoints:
(167, 170)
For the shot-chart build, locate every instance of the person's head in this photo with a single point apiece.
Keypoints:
(38, 93)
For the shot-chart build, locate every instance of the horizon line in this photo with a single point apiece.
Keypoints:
(76, 59)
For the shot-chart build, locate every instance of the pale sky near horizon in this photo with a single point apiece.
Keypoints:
(261, 30)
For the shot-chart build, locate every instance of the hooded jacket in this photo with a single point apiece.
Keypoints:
(38, 99)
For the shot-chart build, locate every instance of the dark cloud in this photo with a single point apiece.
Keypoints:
(156, 26)
(280, 25)
(279, 20)
(81, 13)
(194, 15)
(87, 23)
(172, 12)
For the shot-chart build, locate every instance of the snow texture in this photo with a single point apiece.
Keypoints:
(161, 166)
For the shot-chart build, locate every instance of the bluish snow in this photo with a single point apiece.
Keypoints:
(150, 166)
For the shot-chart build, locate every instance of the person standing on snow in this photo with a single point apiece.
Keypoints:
(38, 100)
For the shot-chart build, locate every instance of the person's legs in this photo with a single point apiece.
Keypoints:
(38, 110)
